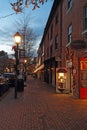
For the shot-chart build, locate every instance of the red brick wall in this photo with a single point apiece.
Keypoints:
(74, 17)
(48, 43)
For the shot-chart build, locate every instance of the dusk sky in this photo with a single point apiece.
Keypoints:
(8, 17)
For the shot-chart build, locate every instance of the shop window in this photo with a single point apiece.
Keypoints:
(83, 64)
(83, 69)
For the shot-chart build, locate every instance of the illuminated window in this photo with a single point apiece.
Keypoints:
(83, 64)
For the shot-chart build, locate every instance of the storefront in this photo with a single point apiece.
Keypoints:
(83, 78)
(76, 64)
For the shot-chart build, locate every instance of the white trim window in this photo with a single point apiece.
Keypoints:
(69, 4)
(51, 32)
(69, 33)
(85, 18)
(56, 19)
(56, 42)
(42, 50)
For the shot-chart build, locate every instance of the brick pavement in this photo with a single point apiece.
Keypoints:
(40, 108)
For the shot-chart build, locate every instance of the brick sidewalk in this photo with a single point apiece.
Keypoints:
(40, 108)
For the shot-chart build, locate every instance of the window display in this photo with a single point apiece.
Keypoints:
(83, 70)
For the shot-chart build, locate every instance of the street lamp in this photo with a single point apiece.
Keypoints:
(17, 39)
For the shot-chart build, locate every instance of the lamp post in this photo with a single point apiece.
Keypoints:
(17, 39)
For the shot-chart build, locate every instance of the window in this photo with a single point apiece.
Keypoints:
(51, 51)
(42, 50)
(56, 19)
(47, 52)
(85, 17)
(48, 36)
(51, 32)
(56, 42)
(69, 4)
(69, 33)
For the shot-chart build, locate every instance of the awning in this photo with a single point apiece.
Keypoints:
(39, 68)
(78, 44)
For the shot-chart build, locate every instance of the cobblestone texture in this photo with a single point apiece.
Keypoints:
(40, 108)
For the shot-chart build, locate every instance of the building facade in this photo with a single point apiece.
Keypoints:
(52, 44)
(65, 45)
(39, 70)
(74, 28)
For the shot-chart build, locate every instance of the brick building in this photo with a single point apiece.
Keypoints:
(39, 70)
(65, 45)
(74, 28)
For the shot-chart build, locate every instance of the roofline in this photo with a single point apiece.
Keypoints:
(52, 13)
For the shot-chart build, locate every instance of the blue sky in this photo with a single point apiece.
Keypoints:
(38, 19)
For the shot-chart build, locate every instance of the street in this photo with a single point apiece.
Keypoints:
(39, 107)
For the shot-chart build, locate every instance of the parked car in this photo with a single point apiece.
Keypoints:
(11, 77)
(4, 86)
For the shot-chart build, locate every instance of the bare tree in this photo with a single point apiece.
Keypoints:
(17, 6)
(28, 35)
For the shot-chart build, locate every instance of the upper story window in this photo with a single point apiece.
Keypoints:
(47, 52)
(69, 33)
(51, 32)
(48, 36)
(51, 50)
(56, 42)
(85, 17)
(42, 50)
(69, 4)
(56, 19)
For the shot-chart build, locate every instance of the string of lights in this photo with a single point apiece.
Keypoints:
(18, 5)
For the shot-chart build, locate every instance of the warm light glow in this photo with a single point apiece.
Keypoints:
(25, 61)
(17, 38)
(61, 74)
(7, 69)
(62, 77)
